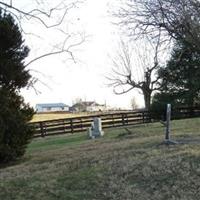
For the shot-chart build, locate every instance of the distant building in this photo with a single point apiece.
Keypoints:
(51, 107)
(87, 106)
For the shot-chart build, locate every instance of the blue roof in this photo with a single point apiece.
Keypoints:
(50, 105)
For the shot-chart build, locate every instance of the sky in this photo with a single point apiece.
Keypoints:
(64, 80)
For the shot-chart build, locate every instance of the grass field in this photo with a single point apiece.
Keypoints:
(123, 165)
(50, 116)
(62, 115)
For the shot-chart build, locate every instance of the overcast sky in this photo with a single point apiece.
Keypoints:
(64, 80)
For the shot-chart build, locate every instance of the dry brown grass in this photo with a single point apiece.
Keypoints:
(120, 166)
(51, 116)
(62, 115)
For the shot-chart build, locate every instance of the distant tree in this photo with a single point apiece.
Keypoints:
(134, 104)
(180, 78)
(15, 133)
(135, 71)
(77, 100)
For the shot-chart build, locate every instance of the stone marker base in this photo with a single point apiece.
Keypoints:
(92, 134)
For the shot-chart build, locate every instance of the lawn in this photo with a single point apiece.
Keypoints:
(125, 164)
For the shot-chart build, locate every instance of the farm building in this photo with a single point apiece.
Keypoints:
(87, 106)
(51, 107)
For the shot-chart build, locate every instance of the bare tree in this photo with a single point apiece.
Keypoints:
(49, 15)
(135, 71)
(134, 104)
(41, 20)
(178, 19)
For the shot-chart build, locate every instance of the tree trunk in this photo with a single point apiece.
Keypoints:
(147, 99)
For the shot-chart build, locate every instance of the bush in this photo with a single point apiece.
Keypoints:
(15, 133)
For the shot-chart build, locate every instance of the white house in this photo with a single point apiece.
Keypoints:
(93, 106)
(51, 107)
(88, 106)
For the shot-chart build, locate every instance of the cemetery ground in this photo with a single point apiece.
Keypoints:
(127, 163)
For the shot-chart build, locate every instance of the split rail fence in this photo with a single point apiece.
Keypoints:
(78, 124)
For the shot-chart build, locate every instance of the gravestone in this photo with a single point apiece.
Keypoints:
(168, 128)
(168, 121)
(96, 128)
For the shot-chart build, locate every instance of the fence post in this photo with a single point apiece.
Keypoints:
(42, 129)
(81, 124)
(191, 112)
(113, 120)
(123, 120)
(143, 117)
(71, 126)
(64, 126)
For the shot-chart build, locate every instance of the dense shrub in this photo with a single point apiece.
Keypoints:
(15, 133)
(159, 105)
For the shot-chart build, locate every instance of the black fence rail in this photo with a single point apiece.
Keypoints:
(185, 112)
(78, 124)
(177, 113)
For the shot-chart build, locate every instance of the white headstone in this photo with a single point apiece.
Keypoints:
(96, 128)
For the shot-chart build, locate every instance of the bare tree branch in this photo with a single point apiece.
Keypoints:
(178, 19)
(49, 17)
(61, 50)
(39, 14)
(125, 65)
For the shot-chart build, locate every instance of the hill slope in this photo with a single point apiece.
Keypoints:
(125, 164)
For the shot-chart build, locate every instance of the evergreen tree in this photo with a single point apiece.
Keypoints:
(180, 80)
(181, 77)
(15, 133)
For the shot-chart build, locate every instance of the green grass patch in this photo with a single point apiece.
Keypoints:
(55, 142)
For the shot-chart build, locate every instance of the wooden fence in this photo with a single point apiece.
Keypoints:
(78, 124)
